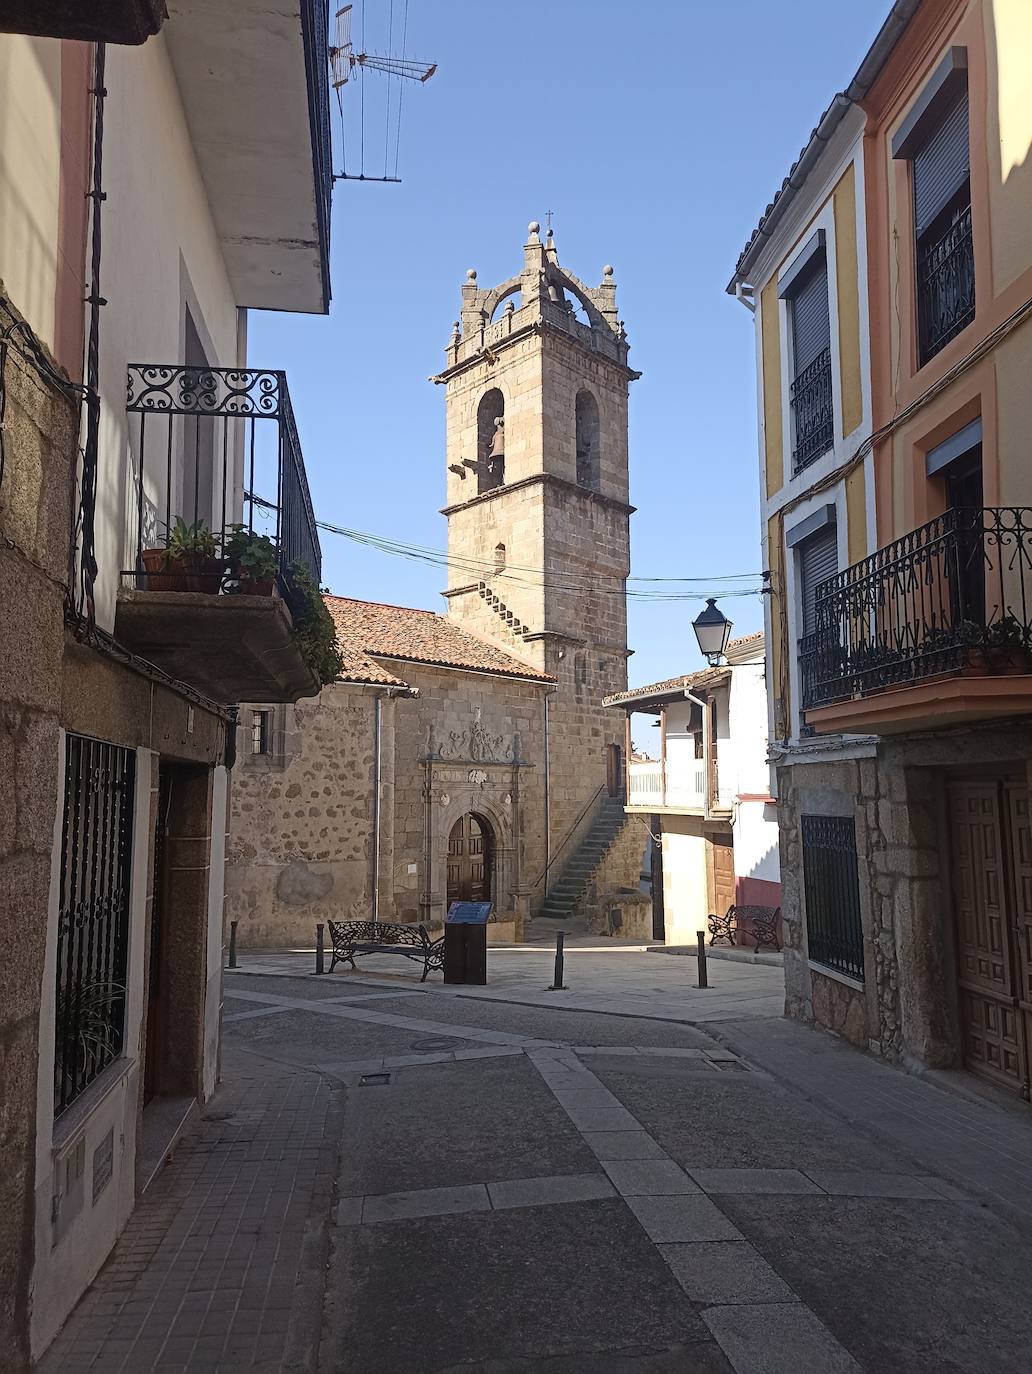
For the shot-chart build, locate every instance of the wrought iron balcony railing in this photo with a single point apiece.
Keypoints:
(217, 448)
(953, 595)
(945, 286)
(813, 412)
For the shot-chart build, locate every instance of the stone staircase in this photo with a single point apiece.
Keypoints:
(581, 868)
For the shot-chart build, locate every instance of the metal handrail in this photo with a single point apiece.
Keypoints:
(954, 593)
(566, 838)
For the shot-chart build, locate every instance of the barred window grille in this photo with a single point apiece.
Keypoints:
(831, 888)
(261, 732)
(93, 913)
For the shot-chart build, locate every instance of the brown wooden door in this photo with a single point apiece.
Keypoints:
(469, 861)
(992, 881)
(721, 857)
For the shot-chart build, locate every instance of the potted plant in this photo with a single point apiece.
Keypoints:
(253, 560)
(1007, 645)
(187, 563)
(314, 630)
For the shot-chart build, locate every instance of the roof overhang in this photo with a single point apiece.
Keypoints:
(877, 55)
(254, 84)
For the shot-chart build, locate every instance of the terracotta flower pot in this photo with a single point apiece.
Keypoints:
(165, 574)
(265, 586)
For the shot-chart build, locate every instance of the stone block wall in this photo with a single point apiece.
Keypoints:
(617, 882)
(40, 437)
(301, 835)
(906, 1009)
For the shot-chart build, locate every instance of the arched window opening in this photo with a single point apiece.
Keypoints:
(499, 558)
(589, 470)
(491, 441)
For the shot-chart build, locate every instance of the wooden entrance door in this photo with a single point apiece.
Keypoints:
(991, 846)
(721, 863)
(469, 861)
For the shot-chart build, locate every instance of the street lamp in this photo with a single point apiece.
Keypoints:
(712, 630)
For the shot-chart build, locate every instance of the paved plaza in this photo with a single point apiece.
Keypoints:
(397, 1177)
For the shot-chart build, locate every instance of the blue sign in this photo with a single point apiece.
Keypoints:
(469, 913)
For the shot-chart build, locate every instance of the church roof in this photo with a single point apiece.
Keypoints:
(370, 630)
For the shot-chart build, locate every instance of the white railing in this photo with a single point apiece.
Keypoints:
(685, 784)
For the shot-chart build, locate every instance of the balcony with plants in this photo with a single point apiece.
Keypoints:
(933, 629)
(223, 592)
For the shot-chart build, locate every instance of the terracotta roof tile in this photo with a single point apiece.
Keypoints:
(368, 630)
(671, 686)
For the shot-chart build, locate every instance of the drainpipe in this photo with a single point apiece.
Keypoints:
(706, 749)
(548, 793)
(377, 737)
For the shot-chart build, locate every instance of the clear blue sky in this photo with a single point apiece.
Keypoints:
(657, 133)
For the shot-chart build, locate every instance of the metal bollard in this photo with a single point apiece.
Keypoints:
(232, 944)
(703, 979)
(557, 980)
(320, 949)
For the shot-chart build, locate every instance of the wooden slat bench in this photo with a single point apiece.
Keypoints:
(762, 926)
(351, 938)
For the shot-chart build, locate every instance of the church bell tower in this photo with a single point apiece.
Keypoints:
(536, 384)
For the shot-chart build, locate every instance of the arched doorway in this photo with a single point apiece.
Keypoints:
(469, 860)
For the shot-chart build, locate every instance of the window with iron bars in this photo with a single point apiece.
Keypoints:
(831, 891)
(93, 913)
(261, 732)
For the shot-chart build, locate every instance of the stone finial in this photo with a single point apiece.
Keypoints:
(550, 249)
(607, 271)
(471, 273)
(456, 334)
(532, 230)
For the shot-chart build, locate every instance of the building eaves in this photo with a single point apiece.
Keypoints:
(670, 688)
(877, 55)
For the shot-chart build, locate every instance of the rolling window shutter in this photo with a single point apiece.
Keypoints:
(818, 560)
(811, 324)
(942, 166)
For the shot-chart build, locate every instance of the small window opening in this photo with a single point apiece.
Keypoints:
(499, 561)
(261, 732)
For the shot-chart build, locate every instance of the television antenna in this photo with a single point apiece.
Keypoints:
(347, 65)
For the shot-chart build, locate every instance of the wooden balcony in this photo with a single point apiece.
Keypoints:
(935, 629)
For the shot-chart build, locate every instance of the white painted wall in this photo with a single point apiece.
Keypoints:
(88, 1229)
(684, 880)
(159, 247)
(755, 833)
(30, 145)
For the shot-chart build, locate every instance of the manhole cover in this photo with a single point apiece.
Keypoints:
(374, 1080)
(434, 1043)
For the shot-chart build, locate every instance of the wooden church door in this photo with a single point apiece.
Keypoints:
(469, 861)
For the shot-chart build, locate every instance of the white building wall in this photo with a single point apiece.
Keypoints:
(71, 1153)
(685, 901)
(30, 147)
(159, 246)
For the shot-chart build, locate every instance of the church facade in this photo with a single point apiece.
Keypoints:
(469, 754)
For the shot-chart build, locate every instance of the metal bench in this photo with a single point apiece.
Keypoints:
(382, 937)
(763, 926)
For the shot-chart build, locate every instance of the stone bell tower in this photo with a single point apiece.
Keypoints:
(538, 518)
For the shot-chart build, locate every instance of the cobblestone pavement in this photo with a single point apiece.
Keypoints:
(394, 1181)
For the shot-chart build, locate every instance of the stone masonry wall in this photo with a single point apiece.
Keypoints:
(617, 882)
(907, 1008)
(301, 833)
(40, 442)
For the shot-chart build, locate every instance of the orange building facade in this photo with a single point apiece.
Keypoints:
(901, 565)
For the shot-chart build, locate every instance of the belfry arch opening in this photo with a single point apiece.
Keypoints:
(589, 471)
(491, 441)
